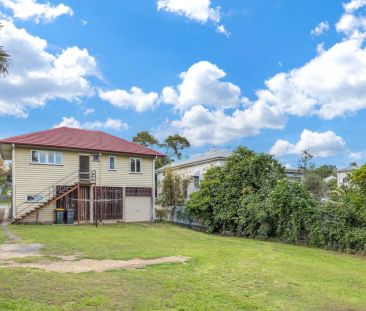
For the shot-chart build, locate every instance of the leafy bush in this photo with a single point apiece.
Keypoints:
(250, 197)
(161, 214)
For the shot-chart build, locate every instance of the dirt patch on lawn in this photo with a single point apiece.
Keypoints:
(10, 251)
(87, 265)
(67, 264)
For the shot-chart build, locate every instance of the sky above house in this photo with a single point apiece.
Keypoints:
(278, 76)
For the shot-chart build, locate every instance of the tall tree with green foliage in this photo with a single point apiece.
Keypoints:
(145, 139)
(326, 170)
(173, 190)
(173, 146)
(4, 60)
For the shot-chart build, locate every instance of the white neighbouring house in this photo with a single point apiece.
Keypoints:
(193, 168)
(343, 175)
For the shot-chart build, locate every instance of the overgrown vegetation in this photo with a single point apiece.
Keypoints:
(249, 196)
(173, 193)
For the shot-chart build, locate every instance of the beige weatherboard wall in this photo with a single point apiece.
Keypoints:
(30, 178)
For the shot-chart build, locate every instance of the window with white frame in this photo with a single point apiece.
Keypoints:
(46, 157)
(112, 162)
(96, 157)
(135, 165)
(35, 198)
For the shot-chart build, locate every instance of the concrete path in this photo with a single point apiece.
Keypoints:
(4, 213)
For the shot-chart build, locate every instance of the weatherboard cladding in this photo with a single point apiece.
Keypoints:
(73, 138)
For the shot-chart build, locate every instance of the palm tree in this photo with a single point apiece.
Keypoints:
(4, 60)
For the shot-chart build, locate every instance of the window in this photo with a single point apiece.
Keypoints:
(35, 198)
(112, 162)
(47, 157)
(135, 165)
(96, 158)
(196, 182)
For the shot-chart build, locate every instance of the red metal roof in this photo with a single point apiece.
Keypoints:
(72, 138)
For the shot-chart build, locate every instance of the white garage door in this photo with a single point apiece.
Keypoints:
(138, 209)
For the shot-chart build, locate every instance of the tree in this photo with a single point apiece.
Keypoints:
(315, 184)
(175, 144)
(4, 60)
(173, 190)
(305, 161)
(325, 171)
(145, 139)
(358, 178)
(230, 195)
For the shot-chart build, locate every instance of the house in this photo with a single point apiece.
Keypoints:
(294, 174)
(194, 168)
(343, 175)
(100, 176)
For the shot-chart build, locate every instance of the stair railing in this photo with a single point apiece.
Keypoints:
(51, 191)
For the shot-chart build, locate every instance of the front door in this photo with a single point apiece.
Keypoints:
(84, 167)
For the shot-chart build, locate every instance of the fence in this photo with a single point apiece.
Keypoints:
(178, 215)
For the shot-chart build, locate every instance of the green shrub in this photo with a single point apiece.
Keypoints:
(250, 197)
(161, 214)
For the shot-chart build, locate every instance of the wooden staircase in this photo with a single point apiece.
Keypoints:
(50, 201)
(53, 193)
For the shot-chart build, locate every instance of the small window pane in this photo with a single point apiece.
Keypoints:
(96, 157)
(51, 157)
(111, 163)
(42, 157)
(34, 157)
(133, 165)
(138, 166)
(35, 198)
(58, 157)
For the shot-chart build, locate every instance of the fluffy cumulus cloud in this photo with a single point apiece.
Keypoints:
(111, 124)
(321, 28)
(332, 84)
(37, 76)
(197, 10)
(33, 10)
(136, 99)
(201, 84)
(204, 126)
(324, 144)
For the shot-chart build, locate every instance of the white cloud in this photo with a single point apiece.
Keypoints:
(321, 28)
(113, 124)
(39, 12)
(88, 111)
(37, 76)
(135, 98)
(196, 10)
(201, 85)
(323, 145)
(203, 126)
(354, 5)
(222, 29)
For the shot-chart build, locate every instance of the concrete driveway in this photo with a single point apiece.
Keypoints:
(4, 212)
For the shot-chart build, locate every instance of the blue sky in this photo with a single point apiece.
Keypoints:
(117, 66)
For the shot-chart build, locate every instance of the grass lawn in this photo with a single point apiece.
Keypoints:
(224, 273)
